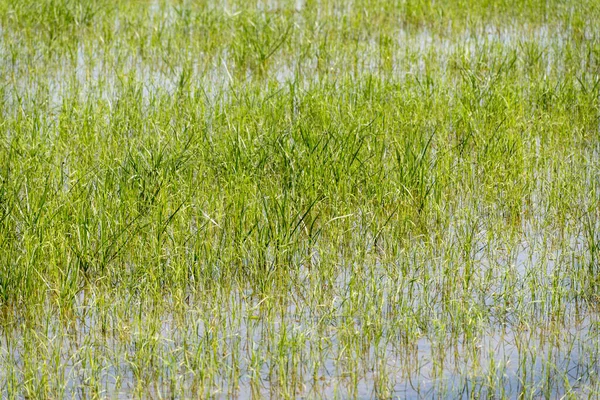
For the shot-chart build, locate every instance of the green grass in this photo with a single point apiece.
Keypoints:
(290, 199)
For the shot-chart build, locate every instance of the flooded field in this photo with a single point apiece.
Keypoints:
(299, 199)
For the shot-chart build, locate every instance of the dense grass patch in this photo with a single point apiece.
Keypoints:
(299, 199)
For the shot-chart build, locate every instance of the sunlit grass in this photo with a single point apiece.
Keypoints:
(299, 199)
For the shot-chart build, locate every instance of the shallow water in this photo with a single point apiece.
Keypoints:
(377, 328)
